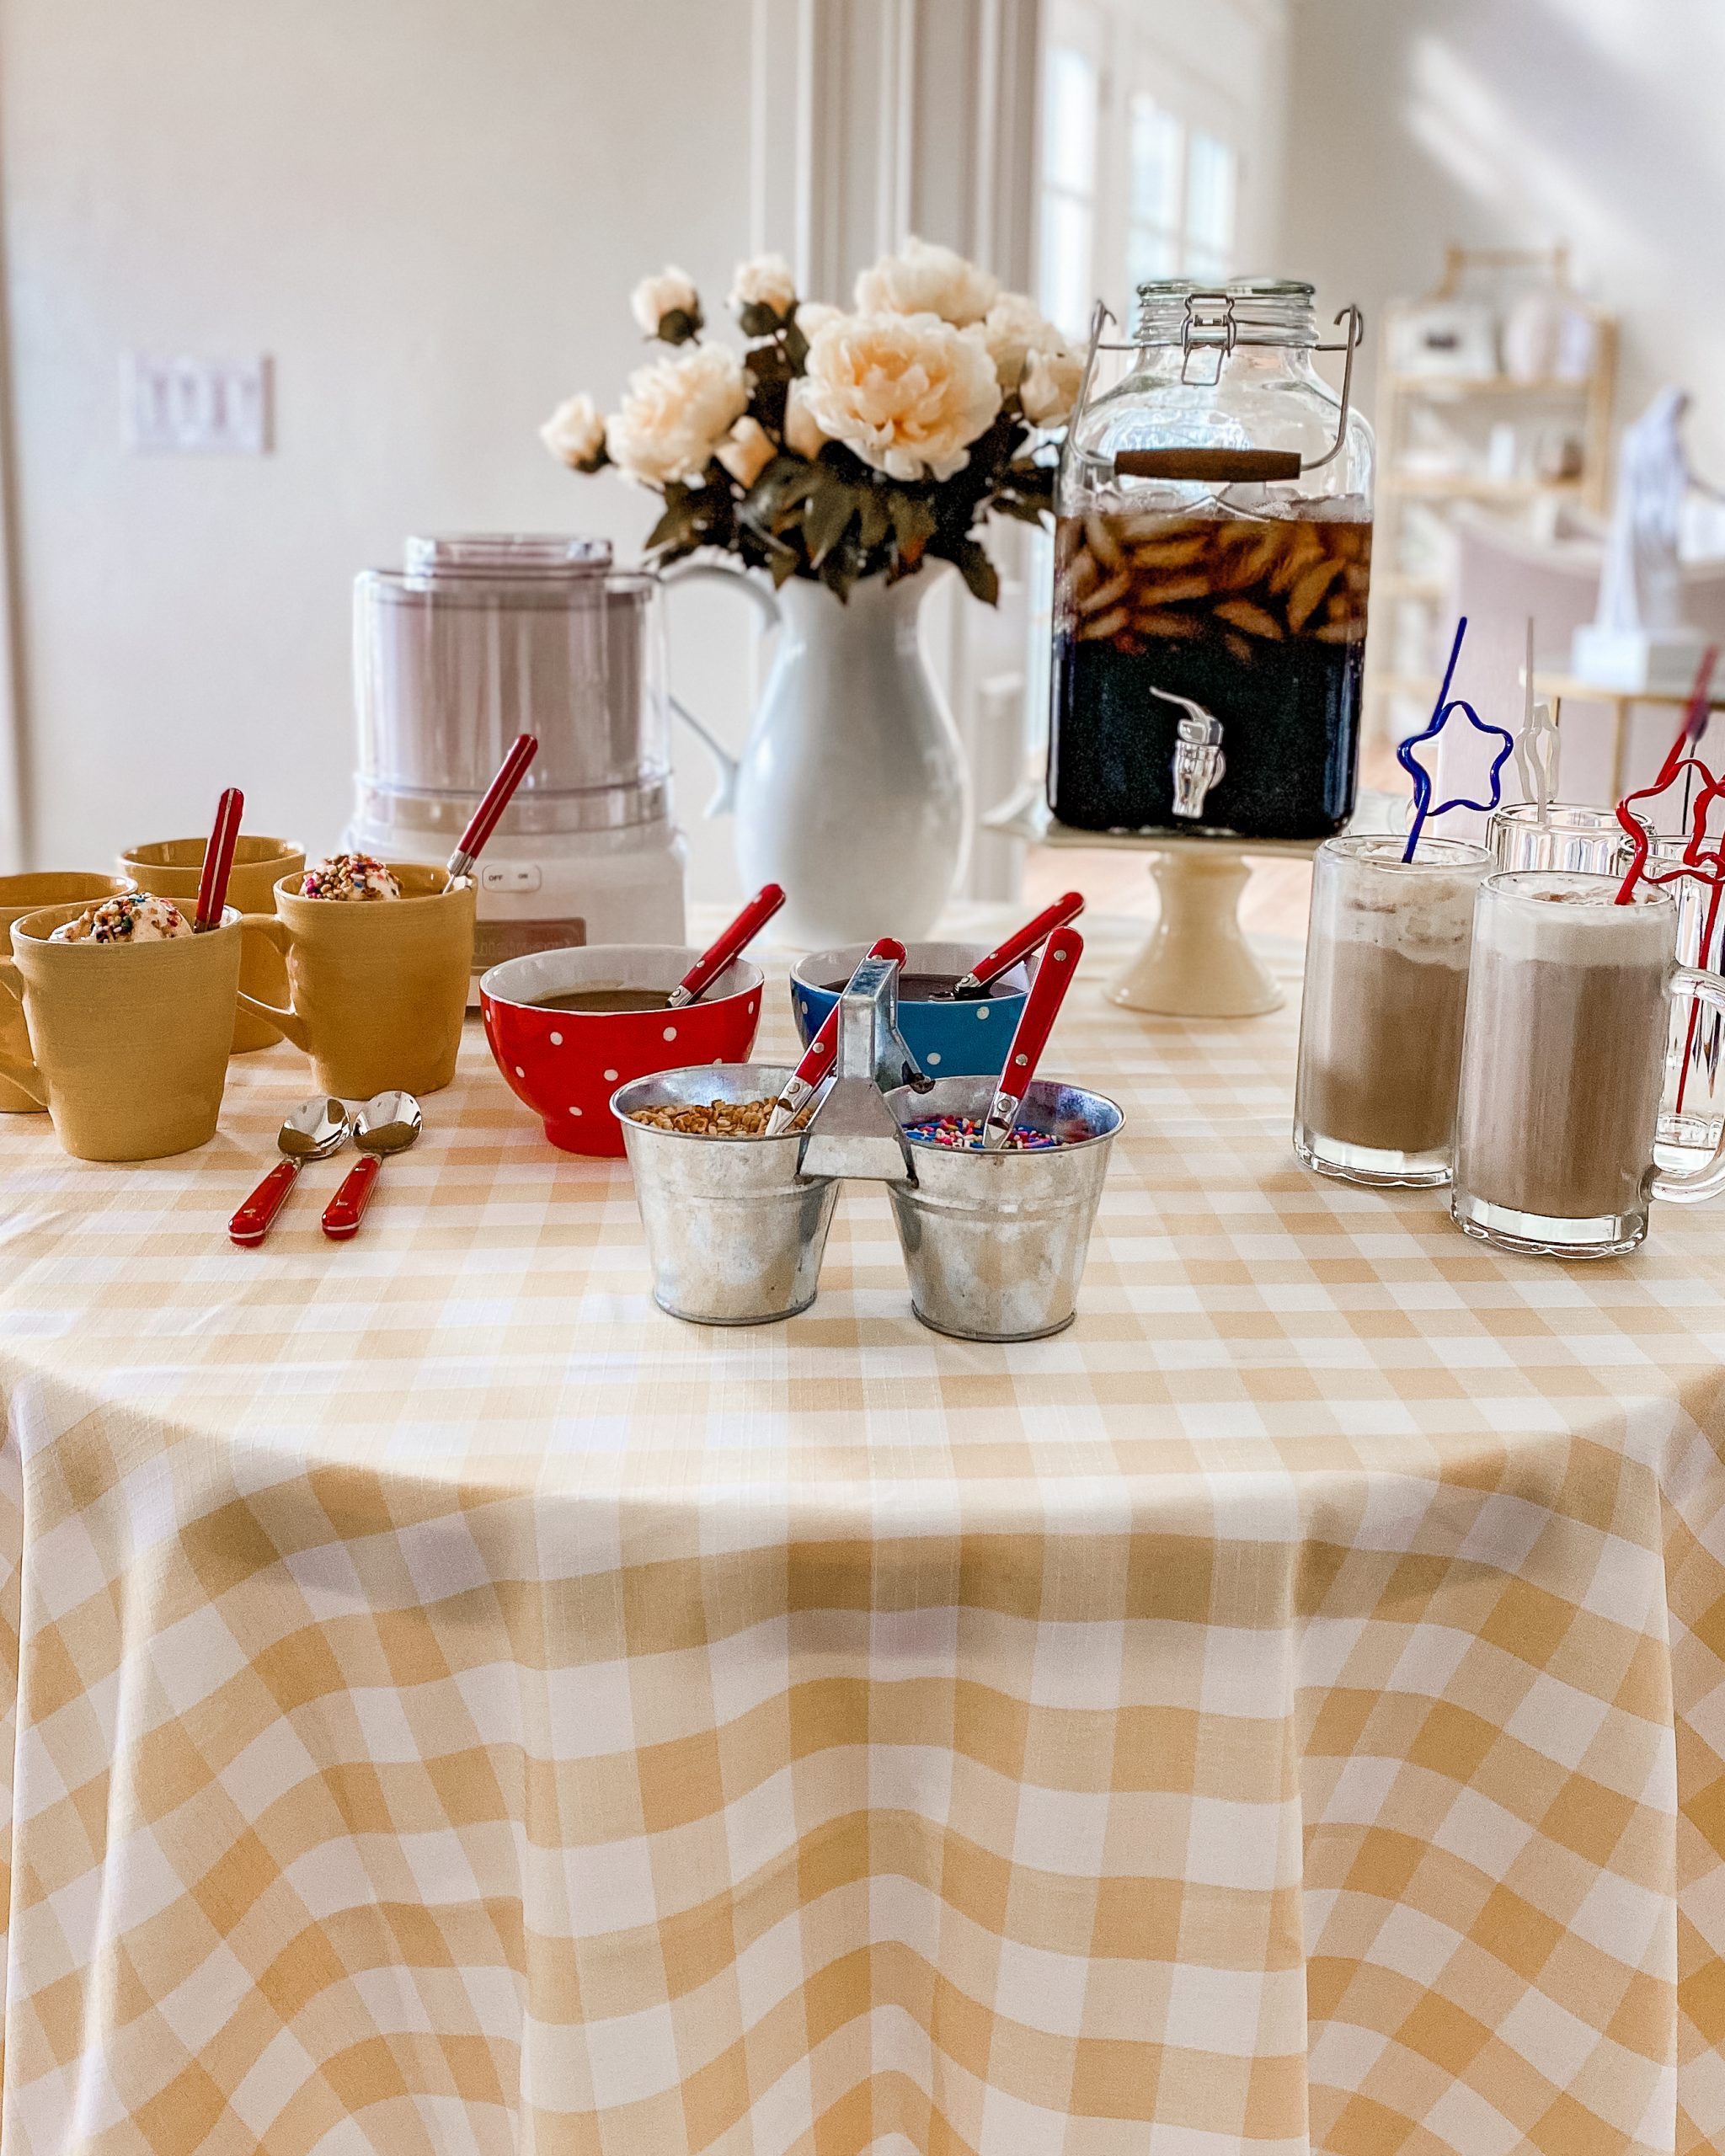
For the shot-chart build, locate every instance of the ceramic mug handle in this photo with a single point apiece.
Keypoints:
(25, 1075)
(273, 930)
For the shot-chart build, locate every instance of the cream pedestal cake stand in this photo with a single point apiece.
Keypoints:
(1198, 963)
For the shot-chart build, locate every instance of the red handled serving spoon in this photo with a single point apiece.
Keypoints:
(983, 975)
(812, 1073)
(218, 861)
(1036, 1021)
(713, 960)
(498, 796)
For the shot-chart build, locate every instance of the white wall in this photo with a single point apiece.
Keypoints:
(429, 212)
(1516, 123)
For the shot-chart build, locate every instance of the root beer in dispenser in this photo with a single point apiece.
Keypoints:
(1213, 556)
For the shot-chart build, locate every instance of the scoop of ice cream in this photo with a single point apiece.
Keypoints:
(137, 920)
(348, 876)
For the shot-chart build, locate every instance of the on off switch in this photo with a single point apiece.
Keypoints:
(515, 876)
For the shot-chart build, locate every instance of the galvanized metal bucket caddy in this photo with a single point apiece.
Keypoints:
(994, 1243)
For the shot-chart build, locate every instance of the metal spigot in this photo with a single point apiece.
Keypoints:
(854, 1131)
(1198, 763)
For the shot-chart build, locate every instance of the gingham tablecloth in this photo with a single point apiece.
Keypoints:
(459, 1709)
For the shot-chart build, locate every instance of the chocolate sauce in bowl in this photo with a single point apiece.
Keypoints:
(913, 988)
(603, 1000)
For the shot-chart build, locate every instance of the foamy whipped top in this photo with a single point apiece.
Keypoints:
(1575, 920)
(348, 876)
(138, 919)
(1422, 910)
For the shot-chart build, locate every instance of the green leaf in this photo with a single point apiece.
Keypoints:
(795, 347)
(679, 325)
(874, 519)
(840, 569)
(975, 568)
(1015, 505)
(758, 320)
(913, 523)
(828, 516)
(680, 523)
(784, 566)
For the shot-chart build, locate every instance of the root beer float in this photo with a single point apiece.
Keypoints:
(1213, 559)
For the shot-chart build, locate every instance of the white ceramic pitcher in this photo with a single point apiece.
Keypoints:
(851, 790)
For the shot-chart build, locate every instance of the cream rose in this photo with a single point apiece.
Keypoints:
(746, 451)
(675, 414)
(926, 280)
(672, 291)
(1014, 328)
(802, 433)
(907, 391)
(1050, 387)
(574, 434)
(764, 281)
(814, 315)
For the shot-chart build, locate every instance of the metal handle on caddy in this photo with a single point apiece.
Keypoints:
(725, 796)
(854, 1133)
(1209, 325)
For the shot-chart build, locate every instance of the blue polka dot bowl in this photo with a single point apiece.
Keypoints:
(949, 1039)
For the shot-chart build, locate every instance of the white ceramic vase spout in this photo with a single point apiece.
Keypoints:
(852, 790)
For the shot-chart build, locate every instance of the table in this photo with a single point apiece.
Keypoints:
(459, 1709)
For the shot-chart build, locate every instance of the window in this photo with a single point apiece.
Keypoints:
(1184, 191)
(1068, 235)
(1153, 244)
(1210, 190)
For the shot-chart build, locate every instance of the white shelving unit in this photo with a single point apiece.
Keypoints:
(1408, 592)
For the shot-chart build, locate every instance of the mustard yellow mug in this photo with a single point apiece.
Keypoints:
(22, 894)
(131, 1040)
(379, 986)
(170, 869)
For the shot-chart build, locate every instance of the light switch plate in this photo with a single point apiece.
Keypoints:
(194, 407)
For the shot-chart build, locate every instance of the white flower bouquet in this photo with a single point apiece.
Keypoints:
(837, 446)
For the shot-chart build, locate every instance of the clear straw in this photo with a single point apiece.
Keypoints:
(1537, 744)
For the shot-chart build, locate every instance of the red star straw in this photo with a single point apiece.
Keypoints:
(218, 861)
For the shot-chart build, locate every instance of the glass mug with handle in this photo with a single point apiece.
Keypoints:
(1567, 834)
(1563, 1063)
(1386, 956)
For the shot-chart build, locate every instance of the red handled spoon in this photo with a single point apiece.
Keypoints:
(1020, 944)
(316, 1130)
(389, 1122)
(498, 796)
(812, 1073)
(1036, 1021)
(218, 861)
(713, 960)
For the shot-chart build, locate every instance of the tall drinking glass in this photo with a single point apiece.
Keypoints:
(1386, 958)
(1562, 1064)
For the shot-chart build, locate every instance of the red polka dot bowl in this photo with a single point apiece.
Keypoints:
(566, 1064)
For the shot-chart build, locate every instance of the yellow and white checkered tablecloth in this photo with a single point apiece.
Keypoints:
(460, 1710)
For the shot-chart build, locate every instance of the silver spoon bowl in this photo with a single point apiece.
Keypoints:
(389, 1122)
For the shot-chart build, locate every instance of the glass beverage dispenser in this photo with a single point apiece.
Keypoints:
(1213, 555)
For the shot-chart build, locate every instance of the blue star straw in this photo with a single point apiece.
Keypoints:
(1421, 779)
